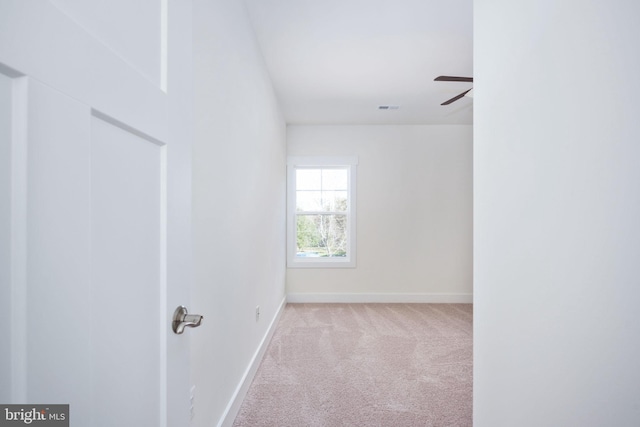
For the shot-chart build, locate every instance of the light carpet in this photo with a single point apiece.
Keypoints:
(396, 365)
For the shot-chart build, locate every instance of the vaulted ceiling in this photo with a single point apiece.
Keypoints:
(337, 61)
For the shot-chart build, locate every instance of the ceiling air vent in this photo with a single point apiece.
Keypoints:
(388, 107)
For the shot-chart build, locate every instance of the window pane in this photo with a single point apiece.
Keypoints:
(321, 201)
(321, 236)
(334, 179)
(308, 179)
(307, 201)
(334, 201)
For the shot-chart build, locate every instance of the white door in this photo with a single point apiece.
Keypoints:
(94, 217)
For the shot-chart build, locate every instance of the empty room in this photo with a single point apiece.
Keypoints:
(340, 213)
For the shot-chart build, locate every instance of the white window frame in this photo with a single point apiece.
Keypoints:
(294, 163)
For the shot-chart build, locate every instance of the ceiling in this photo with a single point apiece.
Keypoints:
(337, 61)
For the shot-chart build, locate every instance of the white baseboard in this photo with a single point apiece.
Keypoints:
(231, 411)
(380, 298)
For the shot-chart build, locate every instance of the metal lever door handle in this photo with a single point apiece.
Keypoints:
(182, 319)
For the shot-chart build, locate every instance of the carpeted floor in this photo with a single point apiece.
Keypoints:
(395, 365)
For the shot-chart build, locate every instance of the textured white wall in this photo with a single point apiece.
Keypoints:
(239, 202)
(557, 208)
(414, 209)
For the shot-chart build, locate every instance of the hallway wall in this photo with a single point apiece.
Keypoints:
(557, 203)
(239, 203)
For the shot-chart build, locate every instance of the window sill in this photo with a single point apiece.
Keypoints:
(321, 263)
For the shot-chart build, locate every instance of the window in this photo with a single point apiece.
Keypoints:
(321, 219)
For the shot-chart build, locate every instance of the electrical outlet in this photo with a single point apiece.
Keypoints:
(257, 313)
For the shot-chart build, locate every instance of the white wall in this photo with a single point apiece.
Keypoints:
(239, 203)
(557, 213)
(414, 213)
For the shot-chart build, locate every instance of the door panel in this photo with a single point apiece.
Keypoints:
(96, 291)
(58, 288)
(42, 42)
(141, 16)
(127, 279)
